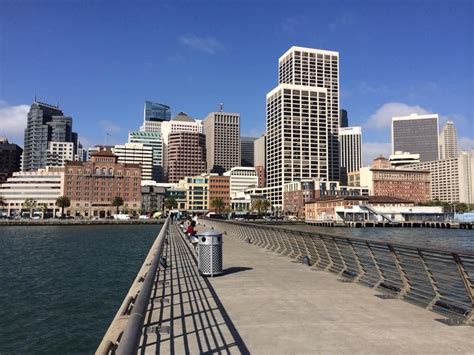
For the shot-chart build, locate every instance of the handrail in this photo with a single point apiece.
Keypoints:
(124, 333)
(397, 244)
(440, 280)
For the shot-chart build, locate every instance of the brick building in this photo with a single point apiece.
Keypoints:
(409, 184)
(92, 185)
(185, 155)
(298, 193)
(219, 187)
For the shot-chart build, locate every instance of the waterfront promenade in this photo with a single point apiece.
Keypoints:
(266, 303)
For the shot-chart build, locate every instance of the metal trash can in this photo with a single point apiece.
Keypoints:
(210, 252)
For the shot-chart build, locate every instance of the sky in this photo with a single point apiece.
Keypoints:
(102, 59)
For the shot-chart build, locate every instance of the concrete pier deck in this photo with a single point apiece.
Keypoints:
(269, 304)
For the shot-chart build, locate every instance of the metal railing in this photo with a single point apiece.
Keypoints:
(436, 279)
(124, 333)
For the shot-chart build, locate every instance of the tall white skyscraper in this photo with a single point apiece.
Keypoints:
(448, 141)
(317, 68)
(350, 147)
(416, 134)
(303, 120)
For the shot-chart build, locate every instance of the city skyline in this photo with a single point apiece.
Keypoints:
(401, 81)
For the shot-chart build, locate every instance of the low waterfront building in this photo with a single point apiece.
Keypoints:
(153, 195)
(334, 208)
(219, 188)
(180, 196)
(92, 185)
(10, 159)
(241, 178)
(43, 186)
(452, 180)
(197, 192)
(407, 183)
(297, 194)
(136, 153)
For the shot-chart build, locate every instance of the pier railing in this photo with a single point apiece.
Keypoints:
(436, 279)
(124, 332)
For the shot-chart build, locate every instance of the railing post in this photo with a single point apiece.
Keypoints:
(469, 319)
(374, 259)
(432, 281)
(401, 272)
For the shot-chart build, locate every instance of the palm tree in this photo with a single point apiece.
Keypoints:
(63, 202)
(261, 205)
(117, 202)
(29, 204)
(43, 207)
(218, 204)
(170, 203)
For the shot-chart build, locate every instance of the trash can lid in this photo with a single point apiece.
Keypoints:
(209, 233)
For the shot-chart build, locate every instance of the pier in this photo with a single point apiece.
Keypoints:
(387, 224)
(288, 291)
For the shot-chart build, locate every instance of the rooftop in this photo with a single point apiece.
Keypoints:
(183, 117)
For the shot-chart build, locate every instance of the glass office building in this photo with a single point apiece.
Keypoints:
(156, 112)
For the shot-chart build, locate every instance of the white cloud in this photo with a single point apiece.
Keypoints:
(465, 143)
(372, 150)
(13, 121)
(209, 45)
(382, 118)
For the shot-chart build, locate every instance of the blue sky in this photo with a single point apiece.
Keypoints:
(101, 60)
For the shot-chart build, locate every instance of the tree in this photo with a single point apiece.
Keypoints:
(63, 202)
(43, 207)
(218, 204)
(117, 202)
(170, 203)
(29, 204)
(261, 205)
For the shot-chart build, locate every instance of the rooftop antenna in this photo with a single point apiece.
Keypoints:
(35, 98)
(221, 107)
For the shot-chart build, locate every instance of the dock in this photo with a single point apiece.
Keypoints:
(271, 300)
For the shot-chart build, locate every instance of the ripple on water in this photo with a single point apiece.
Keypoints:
(60, 286)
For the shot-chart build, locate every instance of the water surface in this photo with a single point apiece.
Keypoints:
(60, 286)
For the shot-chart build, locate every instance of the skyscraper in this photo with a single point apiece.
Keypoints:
(350, 140)
(303, 120)
(136, 153)
(344, 122)
(317, 68)
(416, 134)
(260, 159)
(155, 141)
(222, 130)
(10, 159)
(153, 115)
(247, 151)
(181, 123)
(46, 123)
(185, 155)
(448, 141)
